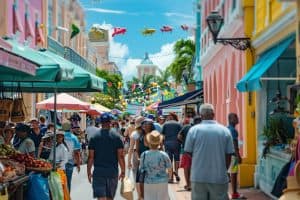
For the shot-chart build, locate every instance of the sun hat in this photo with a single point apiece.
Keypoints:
(49, 134)
(9, 127)
(154, 138)
(34, 120)
(138, 121)
(66, 126)
(147, 121)
(60, 132)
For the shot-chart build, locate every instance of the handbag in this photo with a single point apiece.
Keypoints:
(141, 173)
(18, 108)
(127, 188)
(5, 105)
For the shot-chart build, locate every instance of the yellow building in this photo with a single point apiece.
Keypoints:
(271, 25)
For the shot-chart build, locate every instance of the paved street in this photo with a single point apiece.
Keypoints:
(81, 189)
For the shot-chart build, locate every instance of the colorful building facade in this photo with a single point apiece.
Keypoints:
(271, 68)
(222, 67)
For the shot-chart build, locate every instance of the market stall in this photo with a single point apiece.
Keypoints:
(52, 74)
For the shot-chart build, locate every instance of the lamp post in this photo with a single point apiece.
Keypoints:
(215, 23)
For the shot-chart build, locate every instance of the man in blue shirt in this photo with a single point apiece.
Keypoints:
(106, 151)
(211, 147)
(236, 158)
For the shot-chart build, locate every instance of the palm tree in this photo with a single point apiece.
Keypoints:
(185, 51)
(147, 80)
(163, 78)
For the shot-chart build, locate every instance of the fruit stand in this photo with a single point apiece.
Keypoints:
(15, 169)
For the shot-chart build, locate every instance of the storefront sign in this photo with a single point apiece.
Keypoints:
(14, 62)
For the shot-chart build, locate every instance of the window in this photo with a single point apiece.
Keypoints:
(50, 17)
(233, 6)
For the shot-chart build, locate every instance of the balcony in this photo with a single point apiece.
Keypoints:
(71, 55)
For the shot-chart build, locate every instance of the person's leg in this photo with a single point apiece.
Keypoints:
(111, 187)
(170, 171)
(218, 191)
(69, 173)
(176, 154)
(162, 191)
(233, 178)
(200, 191)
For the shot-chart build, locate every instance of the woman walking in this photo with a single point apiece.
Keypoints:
(155, 164)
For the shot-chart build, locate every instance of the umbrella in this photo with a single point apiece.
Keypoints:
(64, 101)
(153, 106)
(100, 108)
(116, 112)
(93, 111)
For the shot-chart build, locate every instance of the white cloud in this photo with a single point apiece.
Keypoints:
(174, 14)
(164, 57)
(100, 10)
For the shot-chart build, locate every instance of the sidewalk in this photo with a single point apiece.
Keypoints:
(177, 191)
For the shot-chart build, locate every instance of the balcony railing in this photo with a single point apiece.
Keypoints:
(71, 55)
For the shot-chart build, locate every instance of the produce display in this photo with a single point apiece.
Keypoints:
(6, 150)
(30, 162)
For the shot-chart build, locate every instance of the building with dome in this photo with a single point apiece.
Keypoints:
(146, 67)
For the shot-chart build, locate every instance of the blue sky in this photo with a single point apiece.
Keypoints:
(135, 15)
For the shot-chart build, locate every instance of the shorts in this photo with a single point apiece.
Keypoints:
(104, 187)
(186, 161)
(234, 165)
(173, 151)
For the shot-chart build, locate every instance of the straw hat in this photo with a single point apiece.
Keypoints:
(66, 126)
(138, 121)
(154, 138)
(49, 134)
(9, 128)
(60, 132)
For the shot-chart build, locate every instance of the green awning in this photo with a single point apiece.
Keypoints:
(83, 81)
(48, 71)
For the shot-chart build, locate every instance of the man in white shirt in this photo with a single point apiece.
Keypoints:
(91, 130)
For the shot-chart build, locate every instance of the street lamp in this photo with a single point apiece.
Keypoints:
(215, 23)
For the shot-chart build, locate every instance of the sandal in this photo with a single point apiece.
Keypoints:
(188, 188)
(177, 177)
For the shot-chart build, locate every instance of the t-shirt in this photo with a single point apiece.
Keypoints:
(105, 145)
(155, 164)
(209, 142)
(26, 146)
(157, 127)
(36, 138)
(61, 155)
(184, 131)
(91, 131)
(170, 130)
(233, 132)
(73, 145)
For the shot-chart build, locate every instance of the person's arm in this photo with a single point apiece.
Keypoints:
(130, 152)
(90, 164)
(64, 157)
(121, 160)
(236, 150)
(229, 149)
(76, 153)
(228, 160)
(189, 142)
(40, 149)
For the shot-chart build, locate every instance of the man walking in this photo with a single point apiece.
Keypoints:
(105, 152)
(211, 147)
(236, 158)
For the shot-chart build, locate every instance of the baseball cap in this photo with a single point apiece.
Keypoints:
(20, 127)
(105, 117)
(33, 120)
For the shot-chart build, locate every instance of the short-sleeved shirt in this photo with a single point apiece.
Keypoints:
(105, 145)
(170, 130)
(155, 164)
(209, 142)
(36, 138)
(233, 132)
(184, 131)
(26, 146)
(73, 145)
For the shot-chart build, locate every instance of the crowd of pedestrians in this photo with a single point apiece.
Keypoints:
(206, 150)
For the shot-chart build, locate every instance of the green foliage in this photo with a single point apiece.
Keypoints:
(275, 132)
(185, 51)
(113, 90)
(104, 100)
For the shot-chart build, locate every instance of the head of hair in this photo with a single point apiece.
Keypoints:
(174, 116)
(232, 117)
(207, 111)
(42, 119)
(50, 125)
(197, 119)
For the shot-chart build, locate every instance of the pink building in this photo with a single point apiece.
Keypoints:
(26, 17)
(223, 66)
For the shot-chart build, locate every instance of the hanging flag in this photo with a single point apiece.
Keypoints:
(133, 87)
(17, 26)
(39, 37)
(75, 31)
(28, 28)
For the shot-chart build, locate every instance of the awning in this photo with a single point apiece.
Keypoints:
(48, 70)
(196, 96)
(83, 81)
(251, 81)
